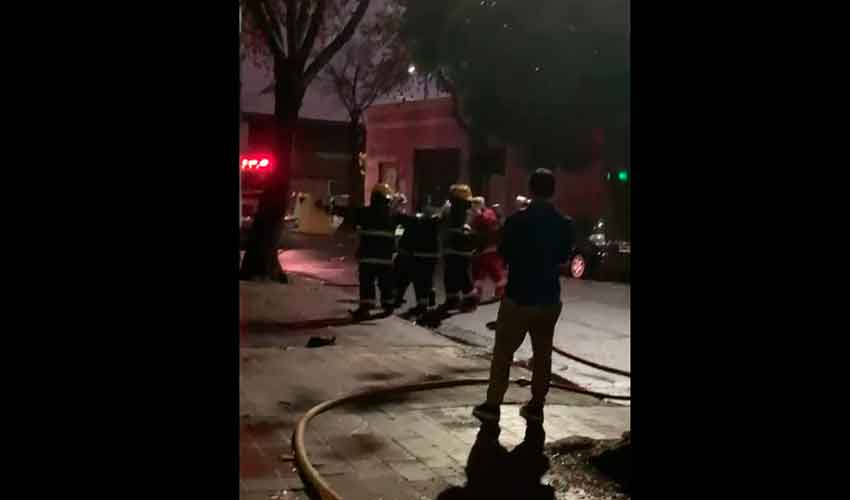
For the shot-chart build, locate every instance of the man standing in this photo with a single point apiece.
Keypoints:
(536, 242)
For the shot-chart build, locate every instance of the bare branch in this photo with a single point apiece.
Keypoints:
(262, 15)
(291, 7)
(303, 17)
(354, 87)
(328, 52)
(310, 37)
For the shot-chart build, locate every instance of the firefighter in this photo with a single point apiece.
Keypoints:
(458, 249)
(418, 253)
(487, 263)
(376, 226)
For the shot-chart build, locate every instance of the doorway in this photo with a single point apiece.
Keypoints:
(434, 171)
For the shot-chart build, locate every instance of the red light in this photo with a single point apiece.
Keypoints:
(255, 162)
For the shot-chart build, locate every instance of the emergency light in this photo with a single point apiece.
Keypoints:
(254, 162)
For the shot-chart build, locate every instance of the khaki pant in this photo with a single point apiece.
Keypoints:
(512, 323)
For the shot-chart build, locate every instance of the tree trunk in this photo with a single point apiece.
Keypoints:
(356, 145)
(261, 260)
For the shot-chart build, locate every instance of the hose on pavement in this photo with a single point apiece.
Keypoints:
(591, 363)
(319, 485)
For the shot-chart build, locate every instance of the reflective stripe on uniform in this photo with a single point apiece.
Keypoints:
(449, 251)
(426, 255)
(384, 234)
(386, 262)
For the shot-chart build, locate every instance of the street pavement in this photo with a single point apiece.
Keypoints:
(594, 323)
(413, 446)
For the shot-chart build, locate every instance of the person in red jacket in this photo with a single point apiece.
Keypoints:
(487, 262)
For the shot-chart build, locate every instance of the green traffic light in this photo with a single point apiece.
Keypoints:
(623, 175)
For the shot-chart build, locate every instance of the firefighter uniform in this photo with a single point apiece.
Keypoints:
(487, 263)
(418, 254)
(458, 249)
(376, 227)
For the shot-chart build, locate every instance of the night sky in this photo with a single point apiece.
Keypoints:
(320, 102)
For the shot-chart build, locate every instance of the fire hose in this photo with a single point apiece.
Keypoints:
(312, 477)
(591, 363)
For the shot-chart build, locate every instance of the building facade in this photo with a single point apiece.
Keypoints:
(420, 149)
(321, 154)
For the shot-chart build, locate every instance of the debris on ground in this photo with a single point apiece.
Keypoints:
(582, 467)
(321, 341)
(285, 494)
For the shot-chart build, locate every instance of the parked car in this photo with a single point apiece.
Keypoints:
(600, 255)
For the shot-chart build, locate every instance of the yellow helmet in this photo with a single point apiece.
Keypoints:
(461, 191)
(383, 189)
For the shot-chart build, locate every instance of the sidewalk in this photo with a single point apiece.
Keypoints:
(411, 447)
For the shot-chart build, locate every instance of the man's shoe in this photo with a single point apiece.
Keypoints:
(486, 412)
(469, 305)
(532, 412)
(415, 311)
(360, 313)
(449, 304)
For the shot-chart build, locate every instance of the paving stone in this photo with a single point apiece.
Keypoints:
(450, 471)
(412, 470)
(391, 487)
(371, 467)
(440, 462)
(351, 488)
(271, 484)
(430, 488)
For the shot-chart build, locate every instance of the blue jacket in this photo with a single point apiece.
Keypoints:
(535, 243)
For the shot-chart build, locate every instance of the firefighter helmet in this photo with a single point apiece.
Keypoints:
(383, 189)
(461, 191)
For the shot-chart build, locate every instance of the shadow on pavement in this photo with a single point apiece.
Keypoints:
(493, 472)
(435, 317)
(310, 324)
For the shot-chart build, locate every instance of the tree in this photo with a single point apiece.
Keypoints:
(533, 73)
(372, 64)
(296, 39)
